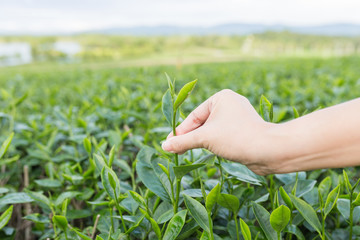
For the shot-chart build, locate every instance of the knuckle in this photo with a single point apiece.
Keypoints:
(195, 118)
(226, 92)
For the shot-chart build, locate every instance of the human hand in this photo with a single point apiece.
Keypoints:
(227, 125)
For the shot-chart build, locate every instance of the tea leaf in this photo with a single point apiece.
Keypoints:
(184, 93)
(5, 217)
(167, 107)
(263, 217)
(50, 183)
(81, 235)
(198, 211)
(60, 221)
(175, 225)
(4, 147)
(111, 156)
(347, 182)
(331, 200)
(110, 182)
(245, 230)
(212, 197)
(280, 217)
(87, 145)
(39, 197)
(139, 199)
(307, 212)
(295, 231)
(324, 187)
(181, 171)
(229, 201)
(242, 173)
(148, 175)
(14, 198)
(356, 202)
(285, 197)
(343, 205)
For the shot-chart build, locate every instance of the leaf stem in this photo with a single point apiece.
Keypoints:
(120, 212)
(237, 227)
(178, 181)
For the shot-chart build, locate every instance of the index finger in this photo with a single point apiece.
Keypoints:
(195, 119)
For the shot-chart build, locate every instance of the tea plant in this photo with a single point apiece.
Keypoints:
(85, 160)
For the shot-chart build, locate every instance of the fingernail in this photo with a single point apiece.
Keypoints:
(167, 146)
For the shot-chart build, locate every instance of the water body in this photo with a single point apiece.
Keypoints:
(15, 53)
(18, 53)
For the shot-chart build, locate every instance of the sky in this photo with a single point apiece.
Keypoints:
(66, 16)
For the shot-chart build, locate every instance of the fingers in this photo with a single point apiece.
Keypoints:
(182, 143)
(195, 119)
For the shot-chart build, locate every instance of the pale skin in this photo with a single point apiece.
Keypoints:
(228, 125)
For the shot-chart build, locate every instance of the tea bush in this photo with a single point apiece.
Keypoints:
(85, 160)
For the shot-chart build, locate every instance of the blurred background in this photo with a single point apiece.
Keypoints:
(142, 33)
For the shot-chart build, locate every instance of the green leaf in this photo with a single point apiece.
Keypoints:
(5, 145)
(300, 187)
(331, 200)
(81, 235)
(87, 145)
(356, 202)
(295, 231)
(212, 197)
(184, 93)
(285, 197)
(170, 84)
(324, 187)
(155, 227)
(347, 182)
(165, 170)
(296, 113)
(111, 156)
(205, 236)
(148, 175)
(175, 225)
(14, 198)
(307, 212)
(242, 173)
(279, 218)
(61, 198)
(263, 217)
(47, 182)
(136, 224)
(139, 199)
(266, 109)
(99, 162)
(110, 182)
(167, 107)
(5, 217)
(198, 211)
(343, 205)
(229, 201)
(181, 171)
(39, 197)
(245, 230)
(60, 221)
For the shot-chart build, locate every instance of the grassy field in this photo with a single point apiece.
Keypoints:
(67, 118)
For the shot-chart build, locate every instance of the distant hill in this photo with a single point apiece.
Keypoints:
(339, 29)
(234, 29)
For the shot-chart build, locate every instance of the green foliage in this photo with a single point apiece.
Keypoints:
(280, 217)
(5, 217)
(88, 139)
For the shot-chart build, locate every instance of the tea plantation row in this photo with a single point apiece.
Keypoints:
(85, 160)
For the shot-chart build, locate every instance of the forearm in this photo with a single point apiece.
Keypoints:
(328, 138)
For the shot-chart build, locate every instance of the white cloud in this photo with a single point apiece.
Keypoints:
(77, 15)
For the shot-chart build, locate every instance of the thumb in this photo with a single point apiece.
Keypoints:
(182, 143)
